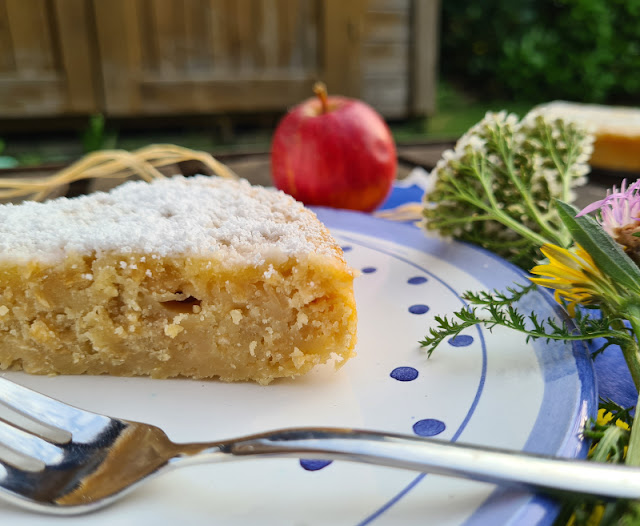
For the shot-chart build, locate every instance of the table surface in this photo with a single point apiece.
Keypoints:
(255, 167)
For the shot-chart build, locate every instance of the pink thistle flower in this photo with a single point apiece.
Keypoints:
(618, 209)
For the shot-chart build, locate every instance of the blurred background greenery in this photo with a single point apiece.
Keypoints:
(539, 50)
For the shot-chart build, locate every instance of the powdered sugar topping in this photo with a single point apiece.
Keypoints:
(195, 216)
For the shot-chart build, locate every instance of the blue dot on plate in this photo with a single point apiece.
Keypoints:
(461, 340)
(369, 270)
(347, 248)
(417, 280)
(314, 465)
(418, 309)
(428, 427)
(404, 374)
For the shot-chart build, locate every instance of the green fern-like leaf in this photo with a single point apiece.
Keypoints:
(498, 308)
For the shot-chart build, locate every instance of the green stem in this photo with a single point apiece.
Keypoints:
(571, 157)
(520, 243)
(494, 209)
(507, 157)
(633, 453)
(554, 157)
(630, 351)
(463, 220)
(631, 356)
(439, 335)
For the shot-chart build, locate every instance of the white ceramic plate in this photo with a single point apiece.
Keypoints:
(482, 388)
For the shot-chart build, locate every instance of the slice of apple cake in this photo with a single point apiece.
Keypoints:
(198, 277)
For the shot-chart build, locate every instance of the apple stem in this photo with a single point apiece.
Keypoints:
(320, 89)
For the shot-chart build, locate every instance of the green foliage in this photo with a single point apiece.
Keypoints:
(96, 137)
(609, 441)
(607, 254)
(497, 187)
(5, 160)
(538, 50)
(496, 308)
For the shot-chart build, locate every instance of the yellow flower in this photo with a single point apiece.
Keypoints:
(593, 520)
(604, 417)
(574, 276)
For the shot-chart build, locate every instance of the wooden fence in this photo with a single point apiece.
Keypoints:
(132, 58)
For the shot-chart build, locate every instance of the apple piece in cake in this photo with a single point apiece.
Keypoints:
(198, 277)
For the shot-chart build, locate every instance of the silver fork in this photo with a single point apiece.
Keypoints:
(59, 459)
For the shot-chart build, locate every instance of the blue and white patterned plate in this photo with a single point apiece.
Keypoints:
(489, 388)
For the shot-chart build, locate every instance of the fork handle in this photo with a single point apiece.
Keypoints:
(524, 470)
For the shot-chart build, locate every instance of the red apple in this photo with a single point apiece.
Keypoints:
(334, 151)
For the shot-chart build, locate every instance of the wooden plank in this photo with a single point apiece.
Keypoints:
(385, 59)
(219, 39)
(118, 32)
(53, 60)
(51, 28)
(245, 36)
(232, 32)
(206, 28)
(187, 96)
(7, 61)
(341, 46)
(31, 36)
(269, 35)
(78, 55)
(391, 5)
(206, 76)
(286, 10)
(389, 96)
(149, 60)
(198, 56)
(32, 98)
(199, 60)
(293, 15)
(308, 35)
(40, 80)
(387, 26)
(180, 38)
(424, 30)
(168, 32)
(258, 35)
